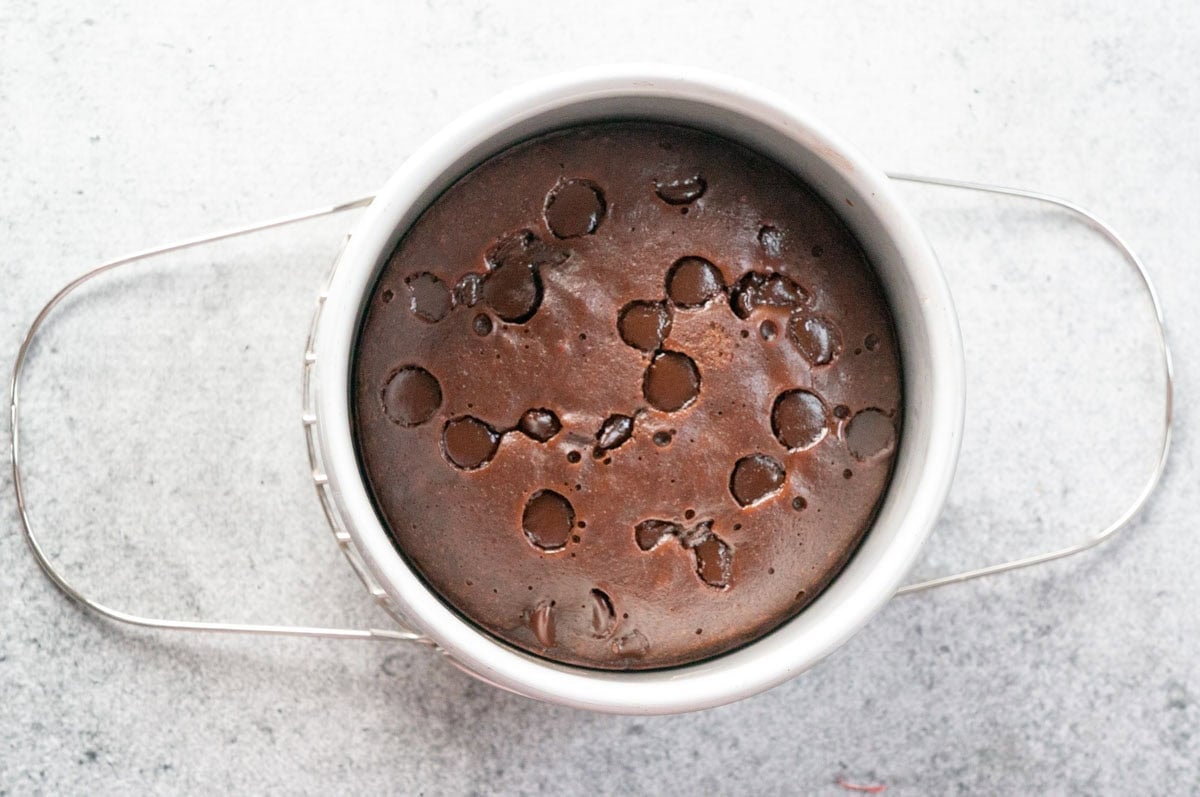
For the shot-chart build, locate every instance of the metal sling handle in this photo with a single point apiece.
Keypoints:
(70, 591)
(48, 567)
(1164, 352)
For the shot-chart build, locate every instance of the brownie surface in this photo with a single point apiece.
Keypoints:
(627, 395)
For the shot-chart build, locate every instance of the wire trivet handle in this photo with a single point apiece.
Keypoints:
(1164, 353)
(56, 576)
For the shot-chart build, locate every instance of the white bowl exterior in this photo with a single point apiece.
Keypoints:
(917, 294)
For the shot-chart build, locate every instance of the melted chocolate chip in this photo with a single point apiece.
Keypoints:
(614, 432)
(429, 298)
(816, 337)
(714, 560)
(574, 208)
(754, 478)
(633, 645)
(671, 382)
(469, 443)
(649, 534)
(469, 290)
(604, 616)
(541, 424)
(411, 396)
(513, 291)
(681, 191)
(541, 622)
(548, 520)
(760, 289)
(771, 240)
(694, 282)
(869, 434)
(798, 419)
(644, 325)
(524, 247)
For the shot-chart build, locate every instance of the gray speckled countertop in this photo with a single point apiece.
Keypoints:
(166, 466)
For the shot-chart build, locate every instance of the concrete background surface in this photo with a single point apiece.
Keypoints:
(166, 466)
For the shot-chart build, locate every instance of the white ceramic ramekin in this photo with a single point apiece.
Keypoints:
(917, 293)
